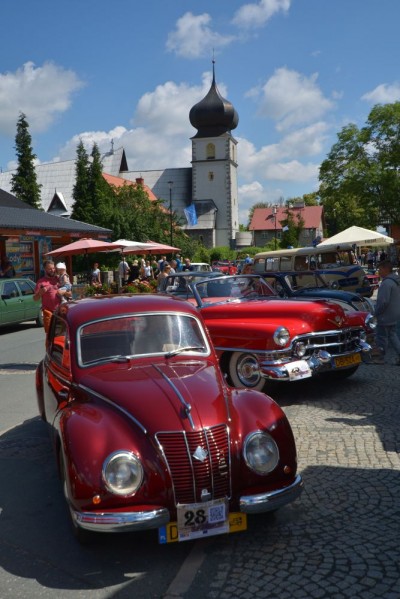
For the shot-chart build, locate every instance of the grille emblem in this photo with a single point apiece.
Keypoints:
(200, 454)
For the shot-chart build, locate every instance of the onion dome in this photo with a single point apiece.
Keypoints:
(213, 115)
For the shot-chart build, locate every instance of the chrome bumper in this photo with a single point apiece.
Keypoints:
(121, 521)
(319, 361)
(273, 500)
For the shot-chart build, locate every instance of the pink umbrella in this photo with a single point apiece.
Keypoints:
(84, 246)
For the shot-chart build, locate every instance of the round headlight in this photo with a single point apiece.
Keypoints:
(260, 452)
(370, 321)
(122, 473)
(281, 336)
(300, 349)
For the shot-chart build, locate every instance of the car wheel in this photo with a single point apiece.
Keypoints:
(39, 319)
(244, 371)
(341, 374)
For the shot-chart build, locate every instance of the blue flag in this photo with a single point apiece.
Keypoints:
(191, 216)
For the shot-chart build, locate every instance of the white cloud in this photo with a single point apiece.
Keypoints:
(160, 137)
(254, 193)
(255, 15)
(291, 99)
(383, 94)
(194, 38)
(41, 93)
(281, 161)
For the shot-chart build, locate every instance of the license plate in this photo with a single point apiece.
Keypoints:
(201, 520)
(342, 361)
(298, 370)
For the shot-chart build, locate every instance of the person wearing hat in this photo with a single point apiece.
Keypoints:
(64, 284)
(134, 271)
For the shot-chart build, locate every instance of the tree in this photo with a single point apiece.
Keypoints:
(293, 225)
(83, 208)
(360, 179)
(24, 182)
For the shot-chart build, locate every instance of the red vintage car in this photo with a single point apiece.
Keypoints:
(147, 433)
(225, 267)
(259, 337)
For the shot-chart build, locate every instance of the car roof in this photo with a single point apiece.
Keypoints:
(88, 309)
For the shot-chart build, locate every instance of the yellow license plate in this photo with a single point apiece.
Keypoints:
(169, 533)
(343, 361)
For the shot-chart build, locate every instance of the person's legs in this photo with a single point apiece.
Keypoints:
(381, 344)
(394, 339)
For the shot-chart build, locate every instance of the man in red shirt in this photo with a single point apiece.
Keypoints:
(47, 290)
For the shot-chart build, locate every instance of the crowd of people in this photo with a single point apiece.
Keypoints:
(147, 270)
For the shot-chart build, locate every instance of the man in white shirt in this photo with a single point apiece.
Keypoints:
(123, 272)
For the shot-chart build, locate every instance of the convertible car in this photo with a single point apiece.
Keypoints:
(310, 285)
(260, 337)
(147, 433)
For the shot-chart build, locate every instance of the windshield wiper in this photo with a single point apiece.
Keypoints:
(180, 350)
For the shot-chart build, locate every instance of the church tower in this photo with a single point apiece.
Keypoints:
(214, 168)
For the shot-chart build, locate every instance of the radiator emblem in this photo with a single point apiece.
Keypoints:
(200, 454)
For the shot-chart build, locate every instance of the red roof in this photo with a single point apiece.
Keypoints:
(120, 182)
(264, 218)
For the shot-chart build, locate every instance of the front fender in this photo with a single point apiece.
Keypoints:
(88, 434)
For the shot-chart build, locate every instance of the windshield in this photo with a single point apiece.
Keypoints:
(138, 335)
(242, 287)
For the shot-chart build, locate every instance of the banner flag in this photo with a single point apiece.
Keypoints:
(191, 216)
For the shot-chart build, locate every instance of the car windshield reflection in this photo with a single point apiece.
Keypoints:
(122, 338)
(233, 288)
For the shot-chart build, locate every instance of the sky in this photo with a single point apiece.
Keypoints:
(296, 71)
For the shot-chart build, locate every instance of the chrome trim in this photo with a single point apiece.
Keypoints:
(186, 406)
(115, 405)
(271, 500)
(121, 521)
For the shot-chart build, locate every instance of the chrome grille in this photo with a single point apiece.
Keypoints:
(191, 476)
(335, 342)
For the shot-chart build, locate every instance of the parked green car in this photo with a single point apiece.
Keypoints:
(17, 303)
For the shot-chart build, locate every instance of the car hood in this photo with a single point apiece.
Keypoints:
(316, 315)
(166, 395)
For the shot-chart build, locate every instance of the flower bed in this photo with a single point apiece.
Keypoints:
(112, 288)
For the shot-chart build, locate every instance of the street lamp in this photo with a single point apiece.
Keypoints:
(170, 184)
(274, 212)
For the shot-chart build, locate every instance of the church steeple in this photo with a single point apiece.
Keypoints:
(213, 115)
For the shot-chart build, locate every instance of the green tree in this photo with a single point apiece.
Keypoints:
(83, 209)
(293, 225)
(360, 179)
(24, 182)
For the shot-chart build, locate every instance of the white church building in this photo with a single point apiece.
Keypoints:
(210, 184)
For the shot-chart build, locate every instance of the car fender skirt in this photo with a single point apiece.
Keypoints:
(103, 521)
(272, 500)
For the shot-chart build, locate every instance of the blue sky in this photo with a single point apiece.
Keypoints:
(296, 71)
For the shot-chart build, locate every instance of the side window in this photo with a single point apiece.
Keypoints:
(10, 289)
(301, 263)
(286, 263)
(59, 343)
(272, 265)
(26, 289)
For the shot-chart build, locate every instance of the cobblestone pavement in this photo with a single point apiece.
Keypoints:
(341, 538)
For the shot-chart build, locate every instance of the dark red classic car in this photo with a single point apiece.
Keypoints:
(259, 337)
(146, 431)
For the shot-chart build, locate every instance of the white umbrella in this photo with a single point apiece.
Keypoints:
(132, 246)
(358, 236)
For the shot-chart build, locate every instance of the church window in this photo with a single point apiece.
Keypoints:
(210, 151)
